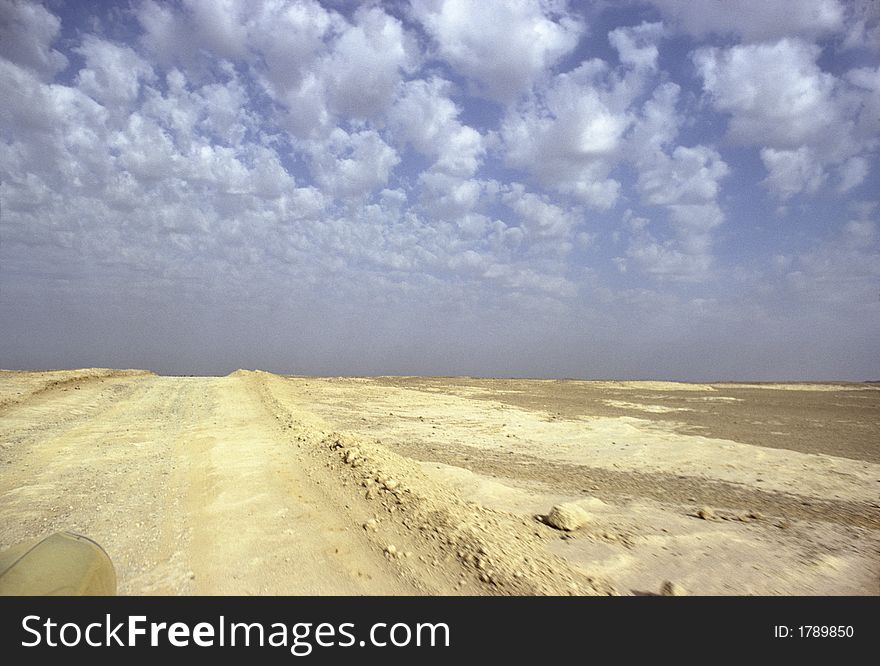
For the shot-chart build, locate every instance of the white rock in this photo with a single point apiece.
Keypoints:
(568, 517)
(706, 513)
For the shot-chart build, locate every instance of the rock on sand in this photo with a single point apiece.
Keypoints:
(567, 517)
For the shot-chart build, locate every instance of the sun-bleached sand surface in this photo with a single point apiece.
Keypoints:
(256, 483)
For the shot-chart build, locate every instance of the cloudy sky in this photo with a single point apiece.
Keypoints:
(645, 188)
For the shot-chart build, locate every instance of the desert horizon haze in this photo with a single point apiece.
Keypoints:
(640, 189)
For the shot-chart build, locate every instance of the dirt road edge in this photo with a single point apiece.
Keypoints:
(502, 552)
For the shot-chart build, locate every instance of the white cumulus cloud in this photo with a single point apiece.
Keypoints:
(502, 46)
(779, 98)
(27, 32)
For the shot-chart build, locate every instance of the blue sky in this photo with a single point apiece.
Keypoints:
(657, 188)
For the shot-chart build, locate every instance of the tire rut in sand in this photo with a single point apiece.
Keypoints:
(260, 523)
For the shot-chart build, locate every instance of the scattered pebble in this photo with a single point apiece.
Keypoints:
(670, 589)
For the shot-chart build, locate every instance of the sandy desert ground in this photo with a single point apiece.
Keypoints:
(256, 483)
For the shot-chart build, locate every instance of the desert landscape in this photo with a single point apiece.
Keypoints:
(255, 483)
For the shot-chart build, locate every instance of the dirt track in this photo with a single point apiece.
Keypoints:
(189, 484)
(242, 485)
